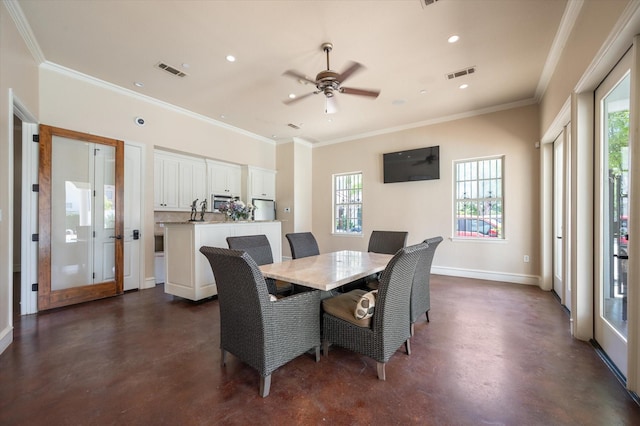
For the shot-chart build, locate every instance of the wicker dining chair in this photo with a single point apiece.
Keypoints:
(256, 330)
(302, 244)
(379, 336)
(387, 242)
(420, 289)
(259, 249)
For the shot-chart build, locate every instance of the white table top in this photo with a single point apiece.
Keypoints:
(328, 270)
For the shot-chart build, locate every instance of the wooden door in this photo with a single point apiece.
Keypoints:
(81, 184)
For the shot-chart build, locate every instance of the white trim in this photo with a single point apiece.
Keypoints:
(558, 124)
(15, 11)
(148, 283)
(617, 43)
(6, 338)
(569, 17)
(487, 275)
(468, 114)
(50, 66)
(143, 167)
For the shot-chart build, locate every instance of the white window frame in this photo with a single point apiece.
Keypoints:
(337, 189)
(478, 198)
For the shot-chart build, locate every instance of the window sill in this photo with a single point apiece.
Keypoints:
(478, 240)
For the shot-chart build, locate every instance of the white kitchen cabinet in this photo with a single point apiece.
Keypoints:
(224, 178)
(165, 186)
(261, 183)
(193, 183)
(187, 271)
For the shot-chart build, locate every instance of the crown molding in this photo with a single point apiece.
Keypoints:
(68, 72)
(569, 18)
(15, 11)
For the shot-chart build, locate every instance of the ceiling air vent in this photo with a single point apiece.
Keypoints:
(293, 126)
(170, 69)
(461, 73)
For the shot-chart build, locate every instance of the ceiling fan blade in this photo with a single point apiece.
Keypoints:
(350, 70)
(330, 106)
(361, 92)
(296, 99)
(298, 76)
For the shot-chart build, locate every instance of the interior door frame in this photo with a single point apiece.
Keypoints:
(48, 299)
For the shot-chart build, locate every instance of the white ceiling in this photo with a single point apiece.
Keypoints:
(402, 43)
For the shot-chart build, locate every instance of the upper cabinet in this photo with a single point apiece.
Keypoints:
(165, 182)
(224, 178)
(178, 181)
(261, 183)
(193, 184)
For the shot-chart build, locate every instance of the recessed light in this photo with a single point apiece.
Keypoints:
(185, 65)
(453, 39)
(138, 83)
(464, 86)
(222, 116)
(231, 58)
(292, 95)
(422, 92)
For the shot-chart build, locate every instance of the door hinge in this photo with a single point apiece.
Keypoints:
(94, 275)
(94, 234)
(34, 287)
(34, 237)
(35, 187)
(36, 138)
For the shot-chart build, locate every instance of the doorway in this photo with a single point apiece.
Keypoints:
(612, 112)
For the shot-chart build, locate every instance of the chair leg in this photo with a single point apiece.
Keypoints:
(223, 358)
(412, 329)
(325, 347)
(427, 314)
(381, 372)
(265, 386)
(318, 353)
(407, 346)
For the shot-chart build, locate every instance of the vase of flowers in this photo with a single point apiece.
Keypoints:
(236, 210)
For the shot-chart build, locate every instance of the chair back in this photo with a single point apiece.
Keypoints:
(302, 244)
(387, 242)
(420, 290)
(257, 246)
(391, 317)
(245, 309)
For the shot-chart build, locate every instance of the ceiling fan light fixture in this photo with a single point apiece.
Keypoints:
(454, 38)
(292, 95)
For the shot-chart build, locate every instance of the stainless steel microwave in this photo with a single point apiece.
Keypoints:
(217, 200)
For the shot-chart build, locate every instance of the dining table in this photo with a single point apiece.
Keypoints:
(327, 271)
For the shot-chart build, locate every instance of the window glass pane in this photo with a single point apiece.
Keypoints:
(478, 203)
(348, 203)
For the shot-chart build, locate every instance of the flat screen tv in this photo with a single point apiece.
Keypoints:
(412, 164)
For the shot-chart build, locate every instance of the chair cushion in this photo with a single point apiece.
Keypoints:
(344, 305)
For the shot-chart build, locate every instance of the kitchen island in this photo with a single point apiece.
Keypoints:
(187, 271)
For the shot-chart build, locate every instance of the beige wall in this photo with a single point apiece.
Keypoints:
(87, 105)
(285, 187)
(593, 26)
(425, 209)
(18, 72)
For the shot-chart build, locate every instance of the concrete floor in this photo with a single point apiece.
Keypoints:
(493, 354)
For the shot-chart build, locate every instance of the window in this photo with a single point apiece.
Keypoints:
(478, 198)
(347, 203)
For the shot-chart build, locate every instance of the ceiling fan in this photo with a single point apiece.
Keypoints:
(330, 82)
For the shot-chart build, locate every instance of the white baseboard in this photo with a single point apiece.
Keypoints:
(148, 283)
(487, 275)
(6, 338)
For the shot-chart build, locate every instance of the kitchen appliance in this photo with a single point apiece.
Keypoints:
(218, 200)
(264, 209)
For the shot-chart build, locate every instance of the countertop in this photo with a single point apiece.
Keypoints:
(216, 222)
